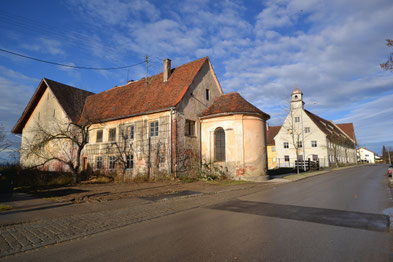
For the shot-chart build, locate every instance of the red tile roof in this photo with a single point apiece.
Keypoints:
(271, 132)
(71, 99)
(232, 103)
(137, 98)
(348, 129)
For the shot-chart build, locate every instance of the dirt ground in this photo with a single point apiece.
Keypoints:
(112, 191)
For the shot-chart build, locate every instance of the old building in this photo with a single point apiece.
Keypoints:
(53, 106)
(305, 135)
(167, 123)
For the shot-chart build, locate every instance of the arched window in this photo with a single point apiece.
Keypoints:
(219, 144)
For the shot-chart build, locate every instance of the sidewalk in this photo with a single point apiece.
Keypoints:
(83, 199)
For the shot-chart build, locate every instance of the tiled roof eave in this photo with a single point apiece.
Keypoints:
(264, 116)
(133, 115)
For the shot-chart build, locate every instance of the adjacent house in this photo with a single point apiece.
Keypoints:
(271, 146)
(305, 135)
(366, 155)
(167, 123)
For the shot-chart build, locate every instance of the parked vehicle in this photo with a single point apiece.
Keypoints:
(390, 171)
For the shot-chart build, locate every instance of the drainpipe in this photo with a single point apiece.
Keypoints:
(170, 141)
(200, 143)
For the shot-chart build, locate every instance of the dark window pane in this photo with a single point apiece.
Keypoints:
(220, 144)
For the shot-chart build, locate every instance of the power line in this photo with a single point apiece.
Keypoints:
(71, 66)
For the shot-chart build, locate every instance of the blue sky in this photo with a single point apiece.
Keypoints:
(330, 49)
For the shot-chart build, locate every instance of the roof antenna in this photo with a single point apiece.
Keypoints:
(147, 68)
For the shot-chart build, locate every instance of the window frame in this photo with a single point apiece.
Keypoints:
(130, 161)
(299, 144)
(307, 130)
(110, 133)
(102, 135)
(286, 158)
(189, 129)
(314, 144)
(111, 160)
(96, 162)
(286, 145)
(219, 150)
(156, 128)
(297, 119)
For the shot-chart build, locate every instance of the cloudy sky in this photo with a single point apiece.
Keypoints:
(330, 49)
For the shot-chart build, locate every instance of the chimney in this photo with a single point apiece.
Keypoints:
(167, 69)
(267, 126)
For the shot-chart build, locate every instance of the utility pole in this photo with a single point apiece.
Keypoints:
(147, 68)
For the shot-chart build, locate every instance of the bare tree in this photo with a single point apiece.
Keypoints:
(388, 65)
(339, 142)
(296, 135)
(61, 142)
(4, 143)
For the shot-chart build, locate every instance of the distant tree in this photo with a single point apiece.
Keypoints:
(4, 143)
(384, 154)
(388, 65)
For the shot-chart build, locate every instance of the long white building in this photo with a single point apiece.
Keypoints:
(305, 135)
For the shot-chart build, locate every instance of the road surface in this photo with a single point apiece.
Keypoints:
(331, 217)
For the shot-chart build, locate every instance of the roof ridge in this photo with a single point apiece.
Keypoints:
(57, 82)
(133, 82)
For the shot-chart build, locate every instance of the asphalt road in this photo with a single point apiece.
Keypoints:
(332, 217)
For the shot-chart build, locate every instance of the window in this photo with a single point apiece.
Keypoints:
(112, 135)
(190, 128)
(286, 158)
(299, 144)
(297, 119)
(154, 128)
(300, 157)
(111, 162)
(132, 131)
(314, 157)
(207, 94)
(99, 136)
(306, 130)
(219, 139)
(130, 162)
(87, 137)
(273, 149)
(98, 162)
(313, 143)
(286, 145)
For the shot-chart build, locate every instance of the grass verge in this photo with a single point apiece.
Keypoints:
(5, 207)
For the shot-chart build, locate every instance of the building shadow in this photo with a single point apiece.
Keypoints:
(360, 220)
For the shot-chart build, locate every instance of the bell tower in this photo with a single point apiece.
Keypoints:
(297, 99)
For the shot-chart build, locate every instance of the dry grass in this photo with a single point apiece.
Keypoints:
(5, 207)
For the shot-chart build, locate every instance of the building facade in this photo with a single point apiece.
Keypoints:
(305, 135)
(365, 155)
(159, 124)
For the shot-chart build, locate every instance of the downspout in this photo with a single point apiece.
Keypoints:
(243, 171)
(200, 143)
(170, 141)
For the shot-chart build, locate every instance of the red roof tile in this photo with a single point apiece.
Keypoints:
(232, 103)
(271, 132)
(137, 98)
(348, 129)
